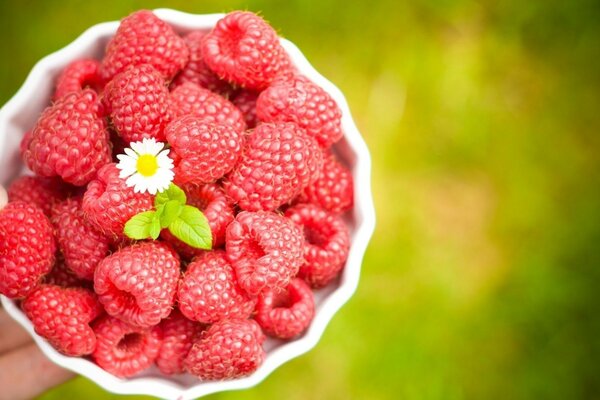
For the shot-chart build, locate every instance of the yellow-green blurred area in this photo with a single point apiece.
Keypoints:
(483, 119)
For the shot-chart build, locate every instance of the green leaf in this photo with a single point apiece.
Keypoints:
(138, 226)
(159, 211)
(155, 227)
(173, 192)
(171, 210)
(191, 227)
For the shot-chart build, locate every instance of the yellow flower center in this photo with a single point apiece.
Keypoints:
(146, 165)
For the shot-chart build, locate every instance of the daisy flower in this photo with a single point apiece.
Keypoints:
(147, 166)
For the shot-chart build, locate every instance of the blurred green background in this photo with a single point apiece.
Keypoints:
(482, 279)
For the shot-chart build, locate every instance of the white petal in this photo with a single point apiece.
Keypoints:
(126, 172)
(169, 177)
(127, 167)
(131, 153)
(150, 184)
(144, 147)
(141, 186)
(164, 161)
(154, 147)
(166, 173)
(137, 147)
(162, 178)
(133, 180)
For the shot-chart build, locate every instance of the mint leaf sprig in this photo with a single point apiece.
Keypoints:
(185, 222)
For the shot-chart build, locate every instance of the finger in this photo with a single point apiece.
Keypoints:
(3, 197)
(26, 373)
(12, 335)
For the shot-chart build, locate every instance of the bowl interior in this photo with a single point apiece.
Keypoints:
(20, 114)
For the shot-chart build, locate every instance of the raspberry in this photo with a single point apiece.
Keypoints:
(138, 102)
(245, 101)
(265, 250)
(207, 151)
(301, 101)
(142, 38)
(334, 189)
(25, 140)
(287, 314)
(209, 292)
(327, 242)
(244, 49)
(137, 284)
(211, 200)
(82, 246)
(191, 99)
(228, 349)
(62, 316)
(77, 76)
(109, 203)
(278, 161)
(70, 140)
(61, 275)
(27, 248)
(124, 350)
(43, 192)
(196, 70)
(179, 335)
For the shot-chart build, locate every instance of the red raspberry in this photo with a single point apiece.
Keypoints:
(142, 38)
(62, 316)
(70, 140)
(244, 49)
(286, 314)
(326, 246)
(24, 145)
(196, 70)
(278, 161)
(77, 76)
(61, 275)
(301, 101)
(228, 349)
(265, 249)
(211, 200)
(179, 335)
(334, 189)
(43, 192)
(245, 101)
(137, 284)
(27, 248)
(82, 246)
(138, 103)
(124, 350)
(191, 99)
(209, 291)
(109, 203)
(207, 150)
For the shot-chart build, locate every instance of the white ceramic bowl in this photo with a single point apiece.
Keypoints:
(20, 114)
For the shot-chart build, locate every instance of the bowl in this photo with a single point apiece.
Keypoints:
(20, 114)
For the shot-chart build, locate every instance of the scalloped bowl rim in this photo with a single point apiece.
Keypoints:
(364, 227)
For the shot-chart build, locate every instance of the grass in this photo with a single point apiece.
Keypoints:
(482, 119)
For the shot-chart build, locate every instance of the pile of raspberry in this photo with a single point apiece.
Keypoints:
(251, 141)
